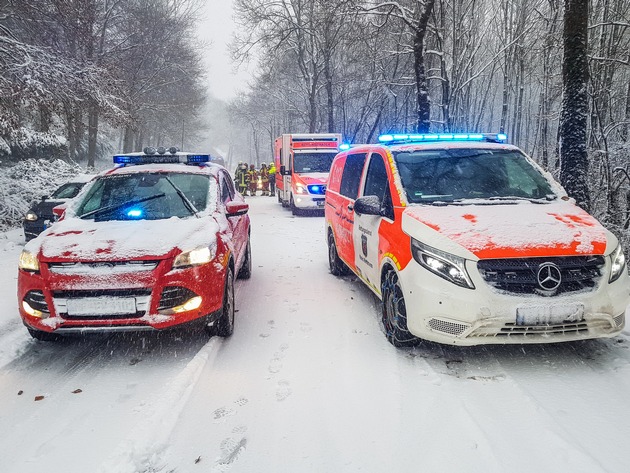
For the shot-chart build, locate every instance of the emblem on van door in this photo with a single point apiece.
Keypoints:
(364, 245)
(549, 276)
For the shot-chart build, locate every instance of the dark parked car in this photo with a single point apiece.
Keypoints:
(40, 216)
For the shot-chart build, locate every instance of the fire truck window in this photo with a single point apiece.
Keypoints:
(351, 177)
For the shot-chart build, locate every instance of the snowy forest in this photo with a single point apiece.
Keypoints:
(84, 78)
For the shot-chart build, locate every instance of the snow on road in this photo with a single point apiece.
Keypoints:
(307, 383)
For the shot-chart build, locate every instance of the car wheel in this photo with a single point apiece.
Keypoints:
(246, 268)
(395, 312)
(337, 267)
(43, 336)
(225, 322)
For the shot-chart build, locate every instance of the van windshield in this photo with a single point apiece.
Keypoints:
(454, 174)
(312, 162)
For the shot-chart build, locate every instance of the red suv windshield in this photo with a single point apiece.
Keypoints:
(150, 196)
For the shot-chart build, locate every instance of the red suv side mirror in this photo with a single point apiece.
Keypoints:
(236, 208)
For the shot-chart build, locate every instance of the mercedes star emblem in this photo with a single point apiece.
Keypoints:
(549, 276)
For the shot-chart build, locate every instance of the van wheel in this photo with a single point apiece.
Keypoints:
(225, 322)
(337, 267)
(395, 312)
(246, 269)
(294, 209)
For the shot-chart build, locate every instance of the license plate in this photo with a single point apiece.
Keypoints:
(320, 203)
(549, 314)
(101, 306)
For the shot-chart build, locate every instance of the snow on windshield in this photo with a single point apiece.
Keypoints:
(150, 196)
(452, 174)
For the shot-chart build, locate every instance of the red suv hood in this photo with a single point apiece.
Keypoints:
(84, 240)
(510, 231)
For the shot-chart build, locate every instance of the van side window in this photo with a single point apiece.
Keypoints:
(351, 177)
(376, 183)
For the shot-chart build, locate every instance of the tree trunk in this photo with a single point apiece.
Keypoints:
(573, 156)
(92, 135)
(423, 103)
(329, 95)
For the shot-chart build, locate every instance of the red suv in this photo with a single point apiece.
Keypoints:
(154, 243)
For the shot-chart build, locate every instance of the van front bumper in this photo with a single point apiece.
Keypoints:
(440, 311)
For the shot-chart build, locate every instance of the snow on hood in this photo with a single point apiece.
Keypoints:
(87, 240)
(509, 231)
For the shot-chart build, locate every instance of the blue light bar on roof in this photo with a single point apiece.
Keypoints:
(161, 158)
(198, 158)
(411, 138)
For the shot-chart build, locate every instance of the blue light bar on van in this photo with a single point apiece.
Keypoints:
(161, 158)
(415, 138)
(344, 147)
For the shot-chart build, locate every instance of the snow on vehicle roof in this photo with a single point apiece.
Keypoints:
(82, 178)
(210, 169)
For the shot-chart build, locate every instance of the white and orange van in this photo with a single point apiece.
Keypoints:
(467, 241)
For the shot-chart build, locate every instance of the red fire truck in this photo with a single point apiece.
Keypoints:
(303, 163)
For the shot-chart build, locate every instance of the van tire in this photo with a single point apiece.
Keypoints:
(394, 312)
(337, 267)
(294, 209)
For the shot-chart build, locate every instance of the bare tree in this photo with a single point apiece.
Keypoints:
(573, 153)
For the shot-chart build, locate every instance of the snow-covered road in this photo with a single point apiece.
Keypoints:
(307, 383)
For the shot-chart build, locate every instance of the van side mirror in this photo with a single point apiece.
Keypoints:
(283, 171)
(368, 205)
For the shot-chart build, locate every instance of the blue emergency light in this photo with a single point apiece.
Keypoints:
(183, 158)
(344, 146)
(134, 213)
(415, 138)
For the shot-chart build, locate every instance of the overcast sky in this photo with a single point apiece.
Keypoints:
(217, 28)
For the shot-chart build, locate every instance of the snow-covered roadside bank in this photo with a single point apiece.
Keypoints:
(14, 339)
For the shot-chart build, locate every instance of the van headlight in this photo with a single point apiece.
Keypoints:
(28, 262)
(447, 266)
(617, 263)
(301, 189)
(195, 257)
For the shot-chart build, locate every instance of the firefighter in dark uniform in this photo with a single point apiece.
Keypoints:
(241, 178)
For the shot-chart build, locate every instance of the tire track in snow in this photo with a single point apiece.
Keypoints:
(144, 447)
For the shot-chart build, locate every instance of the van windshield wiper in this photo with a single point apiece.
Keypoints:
(543, 200)
(109, 208)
